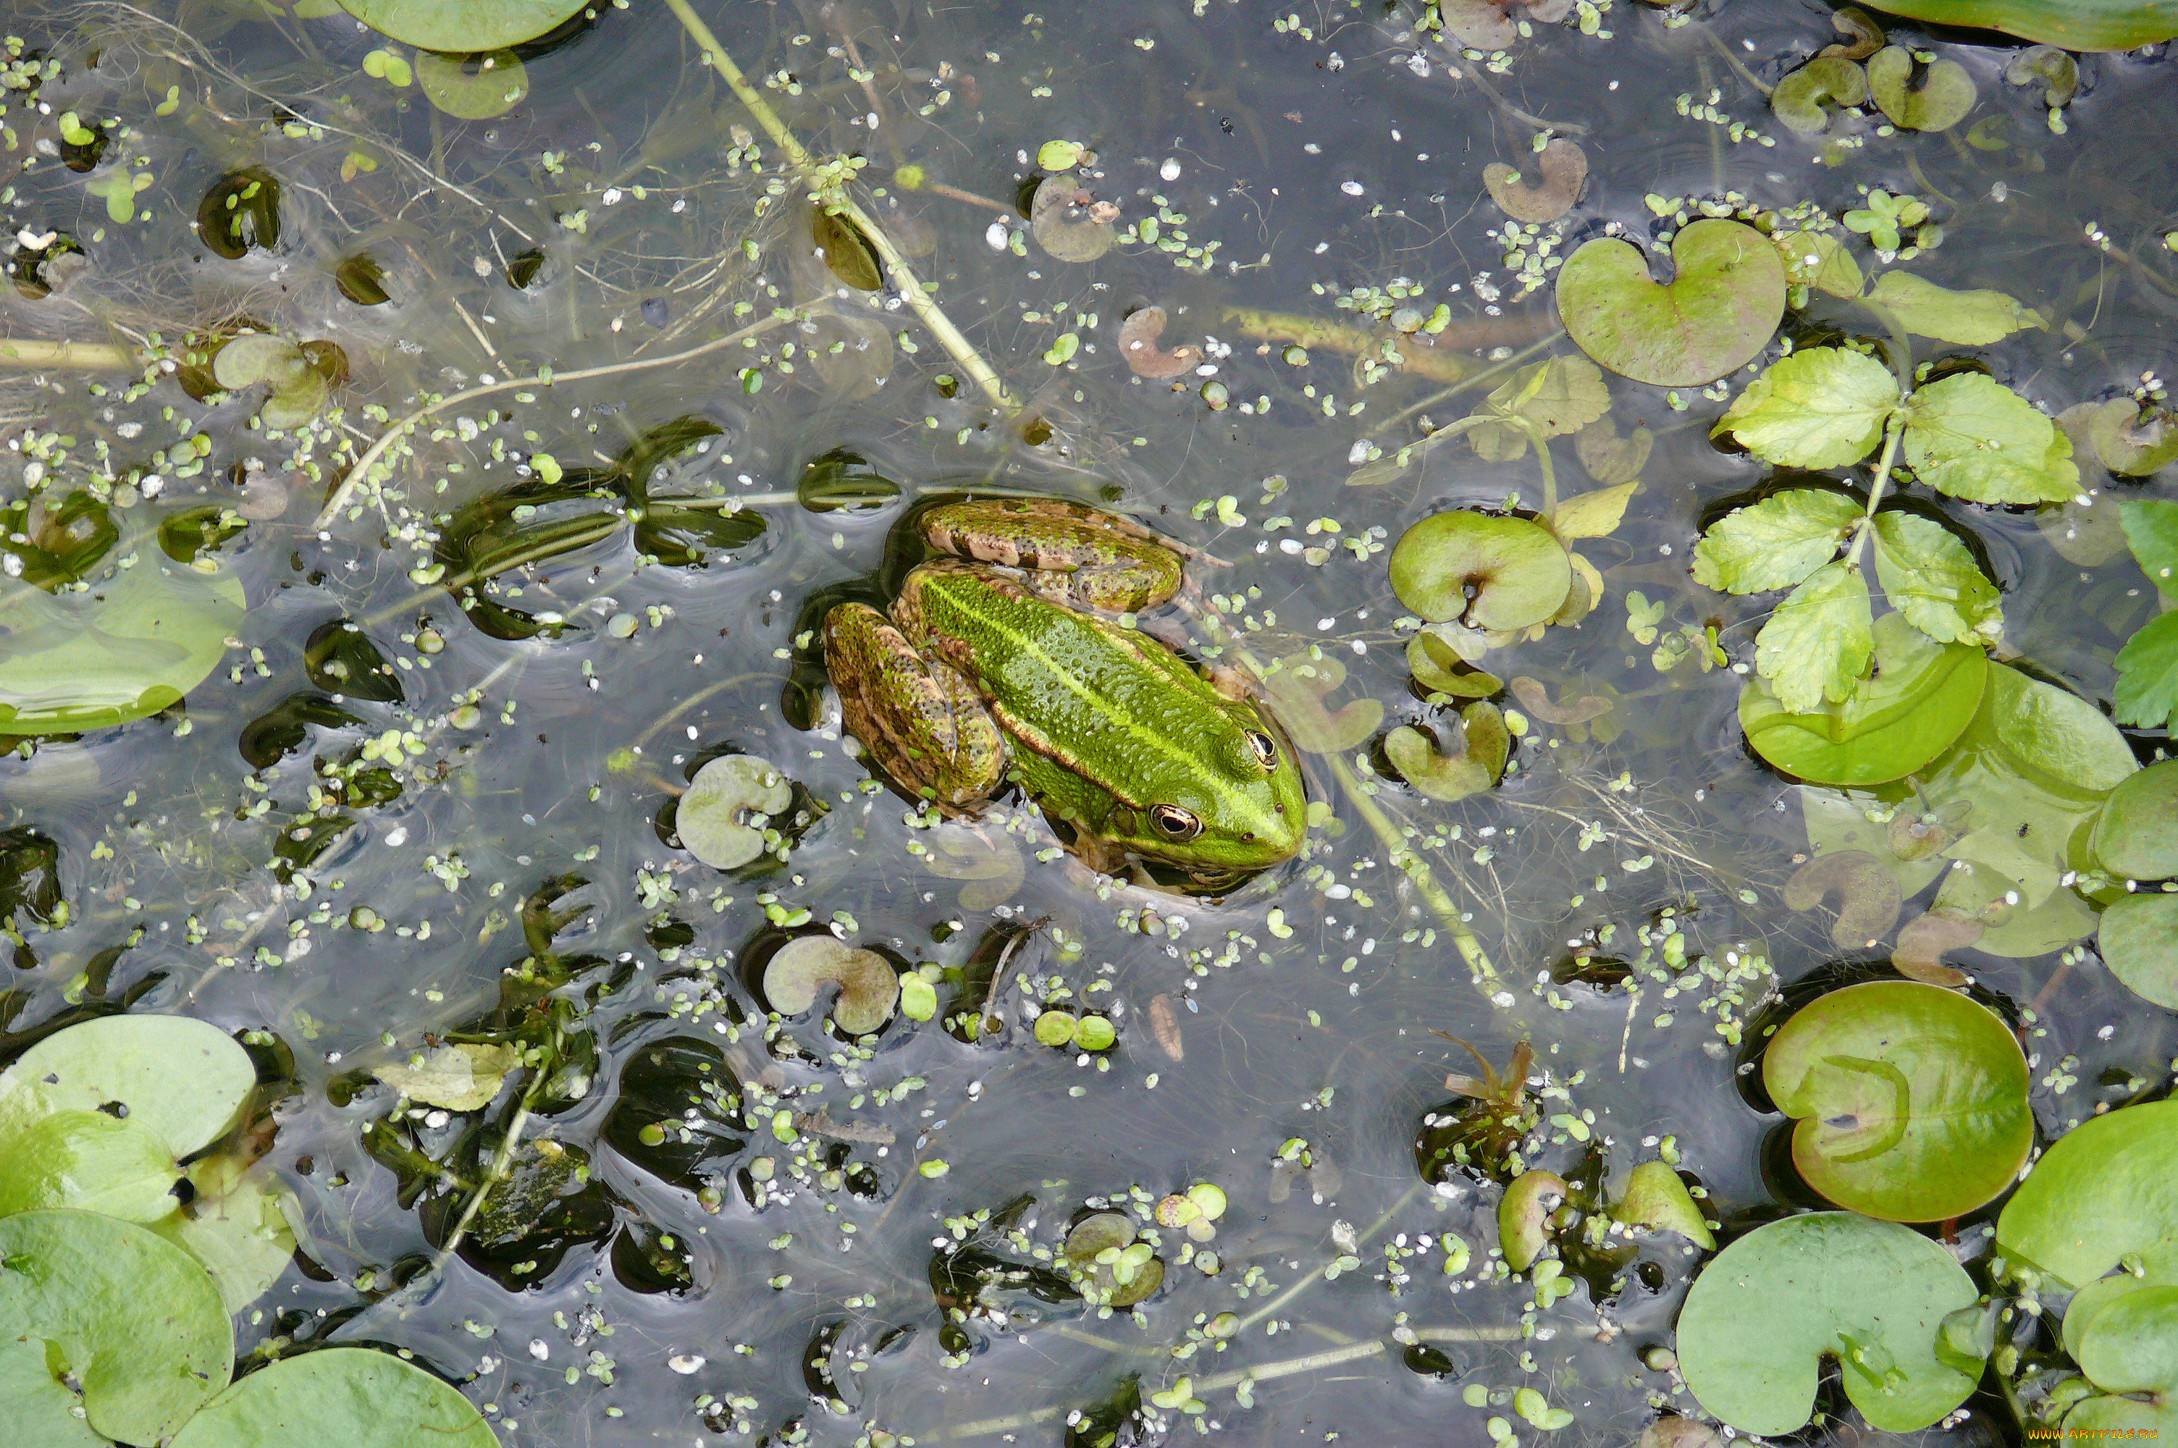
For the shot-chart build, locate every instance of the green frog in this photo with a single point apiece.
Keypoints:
(1008, 662)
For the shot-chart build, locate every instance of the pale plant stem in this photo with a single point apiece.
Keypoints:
(501, 1159)
(1550, 474)
(76, 356)
(910, 287)
(1891, 435)
(357, 475)
(1312, 1278)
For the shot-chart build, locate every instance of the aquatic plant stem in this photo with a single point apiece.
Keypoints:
(353, 481)
(910, 287)
(1892, 432)
(76, 356)
(501, 1160)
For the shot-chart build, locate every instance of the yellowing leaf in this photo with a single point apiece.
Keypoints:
(1774, 543)
(1972, 437)
(1593, 515)
(1816, 646)
(1970, 319)
(1820, 408)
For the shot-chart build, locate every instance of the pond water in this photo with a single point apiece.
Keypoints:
(616, 418)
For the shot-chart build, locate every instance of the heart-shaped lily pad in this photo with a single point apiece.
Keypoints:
(1911, 1100)
(183, 1079)
(86, 1159)
(350, 1396)
(1935, 100)
(1656, 1199)
(1524, 1213)
(867, 984)
(1921, 699)
(1113, 1267)
(1871, 1294)
(1717, 313)
(2133, 441)
(1489, 572)
(2136, 835)
(2086, 25)
(2129, 1349)
(131, 1319)
(463, 27)
(1068, 221)
(1800, 97)
(1474, 767)
(1560, 170)
(2101, 1193)
(721, 817)
(2138, 939)
(1439, 668)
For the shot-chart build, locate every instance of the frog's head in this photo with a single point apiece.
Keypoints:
(1239, 808)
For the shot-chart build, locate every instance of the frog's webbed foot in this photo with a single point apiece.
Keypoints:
(920, 720)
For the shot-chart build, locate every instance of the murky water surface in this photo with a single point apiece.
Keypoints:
(427, 794)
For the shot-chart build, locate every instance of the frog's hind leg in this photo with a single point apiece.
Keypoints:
(920, 720)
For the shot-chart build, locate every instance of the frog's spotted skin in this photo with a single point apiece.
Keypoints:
(984, 671)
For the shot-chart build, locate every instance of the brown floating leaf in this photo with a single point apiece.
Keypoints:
(1564, 170)
(1868, 898)
(851, 258)
(1608, 458)
(1917, 836)
(1165, 1026)
(1070, 223)
(1138, 344)
(1867, 36)
(1535, 699)
(1921, 946)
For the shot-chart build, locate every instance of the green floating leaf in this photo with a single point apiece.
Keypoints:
(1494, 573)
(2151, 531)
(1800, 97)
(1475, 767)
(1929, 576)
(183, 1079)
(1523, 1216)
(2136, 835)
(2101, 1193)
(1822, 407)
(85, 1159)
(1657, 1200)
(42, 1412)
(473, 89)
(1935, 100)
(1911, 1100)
(463, 27)
(1717, 313)
(242, 1238)
(350, 1396)
(1438, 668)
(2129, 1349)
(1970, 319)
(1871, 1294)
(2080, 25)
(1818, 259)
(56, 541)
(868, 986)
(2147, 685)
(722, 815)
(1972, 437)
(2138, 940)
(132, 1320)
(460, 1076)
(1923, 696)
(1552, 398)
(1817, 644)
(1775, 543)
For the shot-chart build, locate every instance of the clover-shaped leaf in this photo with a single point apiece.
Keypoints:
(1871, 1294)
(1934, 100)
(299, 383)
(722, 816)
(353, 1396)
(1821, 407)
(868, 986)
(1494, 573)
(1970, 319)
(2099, 1195)
(1911, 1099)
(1922, 697)
(1716, 314)
(1885, 217)
(1800, 98)
(1562, 168)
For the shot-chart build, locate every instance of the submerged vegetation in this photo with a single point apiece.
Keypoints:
(465, 982)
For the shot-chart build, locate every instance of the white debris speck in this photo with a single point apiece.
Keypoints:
(539, 1349)
(685, 1363)
(995, 236)
(1170, 171)
(1351, 188)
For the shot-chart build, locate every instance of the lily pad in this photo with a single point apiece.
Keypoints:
(1717, 313)
(1476, 766)
(2129, 1350)
(463, 27)
(2136, 835)
(1561, 168)
(1657, 1200)
(2079, 25)
(1800, 98)
(2138, 939)
(89, 1160)
(1936, 99)
(1495, 573)
(1439, 669)
(1922, 698)
(1871, 1294)
(350, 1396)
(242, 1237)
(1068, 222)
(2133, 442)
(131, 1319)
(1911, 1099)
(867, 984)
(183, 1079)
(2101, 1193)
(460, 1076)
(129, 647)
(1523, 1216)
(722, 815)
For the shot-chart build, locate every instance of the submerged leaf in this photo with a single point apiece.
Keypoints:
(1546, 399)
(1868, 896)
(473, 88)
(849, 255)
(1068, 222)
(1563, 168)
(1716, 314)
(1144, 358)
(462, 26)
(1776, 542)
(2134, 441)
(1970, 319)
(461, 1076)
(1821, 407)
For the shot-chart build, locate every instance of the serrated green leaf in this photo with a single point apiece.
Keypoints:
(1816, 645)
(2151, 531)
(1819, 408)
(1972, 437)
(1774, 543)
(1970, 319)
(2147, 684)
(1929, 576)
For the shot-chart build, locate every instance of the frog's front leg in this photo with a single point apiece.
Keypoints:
(920, 719)
(1072, 555)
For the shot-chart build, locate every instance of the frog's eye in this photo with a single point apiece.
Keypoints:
(1174, 823)
(1265, 747)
